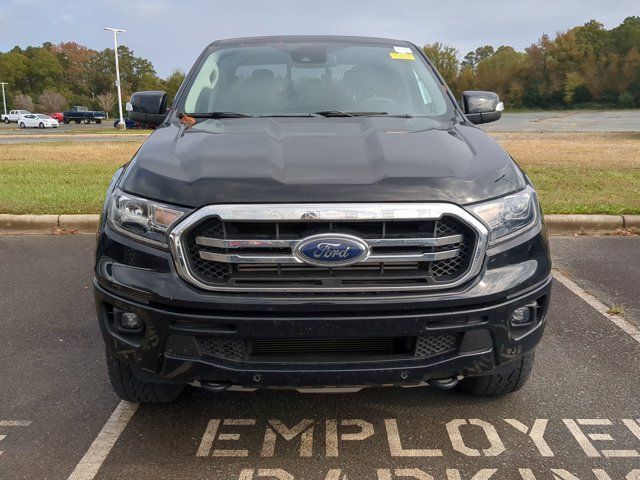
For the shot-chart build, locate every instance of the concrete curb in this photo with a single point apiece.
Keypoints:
(81, 223)
(42, 224)
(583, 224)
(28, 223)
(632, 222)
(556, 224)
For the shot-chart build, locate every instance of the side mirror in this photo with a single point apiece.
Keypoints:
(148, 107)
(481, 107)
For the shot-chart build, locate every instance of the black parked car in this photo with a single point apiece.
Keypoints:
(314, 212)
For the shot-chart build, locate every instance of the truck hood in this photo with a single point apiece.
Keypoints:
(303, 160)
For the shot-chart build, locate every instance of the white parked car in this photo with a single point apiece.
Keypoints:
(38, 120)
(14, 115)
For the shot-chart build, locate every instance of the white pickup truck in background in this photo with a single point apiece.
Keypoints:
(13, 115)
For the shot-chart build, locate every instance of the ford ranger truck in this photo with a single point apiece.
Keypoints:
(319, 212)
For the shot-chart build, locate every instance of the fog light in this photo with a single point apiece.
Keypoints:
(521, 316)
(130, 321)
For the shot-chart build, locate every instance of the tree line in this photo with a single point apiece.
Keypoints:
(52, 77)
(586, 65)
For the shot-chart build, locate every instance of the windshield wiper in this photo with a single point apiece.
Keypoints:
(334, 113)
(287, 115)
(321, 113)
(215, 115)
(339, 113)
(397, 115)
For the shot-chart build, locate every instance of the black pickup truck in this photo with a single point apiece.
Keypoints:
(79, 114)
(319, 212)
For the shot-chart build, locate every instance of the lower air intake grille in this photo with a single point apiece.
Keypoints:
(222, 348)
(328, 350)
(334, 348)
(431, 345)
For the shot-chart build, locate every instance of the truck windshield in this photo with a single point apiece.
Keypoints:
(329, 79)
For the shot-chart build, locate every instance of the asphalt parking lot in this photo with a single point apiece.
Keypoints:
(577, 418)
(596, 121)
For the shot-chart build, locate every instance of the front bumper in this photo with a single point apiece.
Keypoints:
(135, 278)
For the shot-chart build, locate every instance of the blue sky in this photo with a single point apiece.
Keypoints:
(172, 33)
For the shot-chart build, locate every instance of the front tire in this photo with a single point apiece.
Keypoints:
(128, 387)
(22, 125)
(6, 120)
(504, 381)
(41, 125)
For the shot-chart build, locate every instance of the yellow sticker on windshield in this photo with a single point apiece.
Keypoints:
(401, 56)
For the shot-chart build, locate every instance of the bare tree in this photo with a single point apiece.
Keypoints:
(51, 101)
(106, 101)
(23, 102)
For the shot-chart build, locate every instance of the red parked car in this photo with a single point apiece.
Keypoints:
(58, 116)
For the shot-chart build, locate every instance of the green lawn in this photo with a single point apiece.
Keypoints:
(62, 177)
(580, 172)
(613, 191)
(573, 173)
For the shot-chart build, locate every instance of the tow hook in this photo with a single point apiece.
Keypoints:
(443, 383)
(215, 387)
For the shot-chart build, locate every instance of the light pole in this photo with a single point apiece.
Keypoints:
(4, 102)
(115, 31)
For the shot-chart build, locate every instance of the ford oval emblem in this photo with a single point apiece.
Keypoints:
(331, 250)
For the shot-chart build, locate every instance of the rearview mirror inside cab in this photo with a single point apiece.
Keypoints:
(481, 107)
(148, 107)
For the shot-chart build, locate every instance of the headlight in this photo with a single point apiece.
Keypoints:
(142, 219)
(508, 215)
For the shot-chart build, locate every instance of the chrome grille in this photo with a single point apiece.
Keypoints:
(447, 267)
(411, 247)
